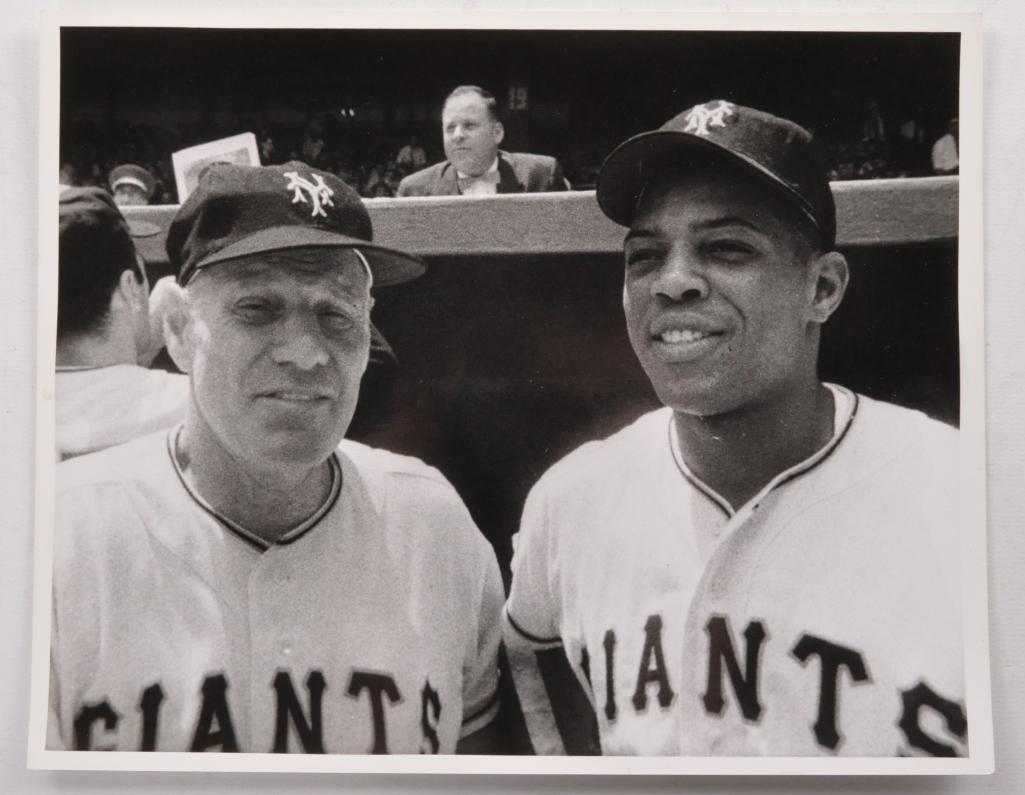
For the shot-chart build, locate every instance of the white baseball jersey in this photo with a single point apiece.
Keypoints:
(373, 627)
(99, 407)
(822, 617)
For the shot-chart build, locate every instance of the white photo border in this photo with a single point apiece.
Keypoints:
(972, 391)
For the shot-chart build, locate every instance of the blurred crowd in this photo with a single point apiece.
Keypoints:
(904, 143)
(372, 165)
(901, 144)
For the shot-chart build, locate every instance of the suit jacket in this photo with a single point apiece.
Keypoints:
(517, 173)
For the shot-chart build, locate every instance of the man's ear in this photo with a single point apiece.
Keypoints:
(499, 132)
(179, 336)
(831, 275)
(131, 291)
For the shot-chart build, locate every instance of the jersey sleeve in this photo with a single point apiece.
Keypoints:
(532, 611)
(530, 623)
(480, 674)
(54, 735)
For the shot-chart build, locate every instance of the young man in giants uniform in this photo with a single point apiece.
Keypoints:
(767, 565)
(249, 581)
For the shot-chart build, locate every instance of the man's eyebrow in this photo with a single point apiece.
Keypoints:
(710, 224)
(728, 220)
(246, 275)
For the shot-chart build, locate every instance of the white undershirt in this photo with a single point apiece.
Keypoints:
(475, 186)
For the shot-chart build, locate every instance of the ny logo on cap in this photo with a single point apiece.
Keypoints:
(700, 118)
(319, 193)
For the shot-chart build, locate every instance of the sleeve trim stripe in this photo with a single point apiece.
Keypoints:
(474, 726)
(532, 638)
(489, 704)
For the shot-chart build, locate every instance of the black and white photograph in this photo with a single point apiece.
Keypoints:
(563, 399)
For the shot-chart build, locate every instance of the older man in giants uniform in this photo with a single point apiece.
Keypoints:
(248, 581)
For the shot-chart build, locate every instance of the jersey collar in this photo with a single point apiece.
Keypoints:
(845, 407)
(247, 535)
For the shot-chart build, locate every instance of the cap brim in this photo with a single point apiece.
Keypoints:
(389, 266)
(139, 228)
(134, 182)
(633, 164)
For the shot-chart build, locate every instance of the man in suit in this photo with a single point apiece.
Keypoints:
(476, 166)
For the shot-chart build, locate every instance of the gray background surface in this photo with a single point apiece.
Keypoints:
(1004, 124)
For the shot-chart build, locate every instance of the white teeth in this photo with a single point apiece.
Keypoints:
(676, 336)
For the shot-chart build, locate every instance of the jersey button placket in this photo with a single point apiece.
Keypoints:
(267, 588)
(281, 579)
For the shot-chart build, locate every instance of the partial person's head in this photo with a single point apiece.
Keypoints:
(68, 174)
(953, 127)
(131, 185)
(276, 264)
(471, 131)
(102, 291)
(730, 267)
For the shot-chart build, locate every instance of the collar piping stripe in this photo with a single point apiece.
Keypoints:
(246, 535)
(783, 477)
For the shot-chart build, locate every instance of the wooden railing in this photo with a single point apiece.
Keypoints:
(869, 212)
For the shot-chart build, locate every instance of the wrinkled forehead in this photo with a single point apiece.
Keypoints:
(338, 270)
(713, 178)
(714, 190)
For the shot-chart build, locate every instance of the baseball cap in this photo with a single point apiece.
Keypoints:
(131, 174)
(237, 211)
(776, 151)
(94, 236)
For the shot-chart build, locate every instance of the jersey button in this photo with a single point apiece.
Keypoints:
(286, 647)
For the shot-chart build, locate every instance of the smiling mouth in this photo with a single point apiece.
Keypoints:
(678, 336)
(682, 345)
